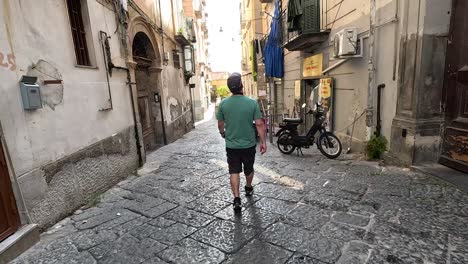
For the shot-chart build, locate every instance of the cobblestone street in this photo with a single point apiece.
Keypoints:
(305, 210)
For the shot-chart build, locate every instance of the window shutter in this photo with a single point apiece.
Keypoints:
(311, 16)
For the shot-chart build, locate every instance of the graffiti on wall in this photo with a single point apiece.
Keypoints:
(7, 61)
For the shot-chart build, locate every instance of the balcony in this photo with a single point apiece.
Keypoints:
(204, 28)
(186, 33)
(198, 9)
(310, 34)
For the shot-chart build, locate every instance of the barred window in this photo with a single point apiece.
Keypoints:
(78, 32)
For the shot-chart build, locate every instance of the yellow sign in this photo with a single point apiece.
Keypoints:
(325, 92)
(325, 88)
(297, 89)
(312, 66)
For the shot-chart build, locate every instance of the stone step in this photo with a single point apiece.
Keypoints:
(26, 237)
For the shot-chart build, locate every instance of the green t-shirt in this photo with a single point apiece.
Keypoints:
(238, 114)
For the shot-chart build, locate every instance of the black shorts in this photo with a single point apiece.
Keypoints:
(238, 157)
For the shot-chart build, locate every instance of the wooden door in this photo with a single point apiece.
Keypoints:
(144, 107)
(455, 145)
(9, 219)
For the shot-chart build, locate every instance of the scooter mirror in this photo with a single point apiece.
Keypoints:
(304, 105)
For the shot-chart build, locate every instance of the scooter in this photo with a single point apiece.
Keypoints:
(290, 140)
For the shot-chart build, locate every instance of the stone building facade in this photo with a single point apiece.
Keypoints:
(196, 10)
(401, 48)
(113, 86)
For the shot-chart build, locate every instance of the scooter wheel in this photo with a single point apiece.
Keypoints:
(284, 144)
(329, 145)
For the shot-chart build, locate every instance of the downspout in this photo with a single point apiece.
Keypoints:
(371, 71)
(135, 123)
(395, 51)
(164, 63)
(162, 32)
(378, 128)
(107, 62)
(130, 88)
(162, 120)
(192, 106)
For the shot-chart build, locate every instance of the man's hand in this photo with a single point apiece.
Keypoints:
(221, 128)
(263, 148)
(260, 125)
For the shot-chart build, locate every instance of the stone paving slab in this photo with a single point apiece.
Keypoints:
(260, 252)
(305, 209)
(225, 235)
(190, 251)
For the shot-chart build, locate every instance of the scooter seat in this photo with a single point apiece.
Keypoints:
(293, 120)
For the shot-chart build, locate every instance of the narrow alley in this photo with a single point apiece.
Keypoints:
(305, 210)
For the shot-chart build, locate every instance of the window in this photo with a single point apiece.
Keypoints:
(189, 62)
(75, 11)
(176, 59)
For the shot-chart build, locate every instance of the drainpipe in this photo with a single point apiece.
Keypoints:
(162, 119)
(135, 123)
(397, 35)
(103, 38)
(378, 128)
(371, 71)
(191, 103)
(162, 33)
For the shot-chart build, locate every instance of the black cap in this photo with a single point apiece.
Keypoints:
(234, 83)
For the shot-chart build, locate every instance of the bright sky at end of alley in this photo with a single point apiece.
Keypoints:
(224, 35)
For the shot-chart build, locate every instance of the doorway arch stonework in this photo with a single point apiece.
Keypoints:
(144, 62)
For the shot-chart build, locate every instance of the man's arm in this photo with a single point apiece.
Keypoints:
(221, 127)
(262, 134)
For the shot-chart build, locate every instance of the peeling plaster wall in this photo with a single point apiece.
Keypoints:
(70, 120)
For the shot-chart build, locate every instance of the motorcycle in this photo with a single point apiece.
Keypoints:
(290, 140)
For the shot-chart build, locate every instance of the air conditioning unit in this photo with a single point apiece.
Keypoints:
(346, 43)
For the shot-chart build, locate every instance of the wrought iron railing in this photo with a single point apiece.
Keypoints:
(186, 28)
(313, 14)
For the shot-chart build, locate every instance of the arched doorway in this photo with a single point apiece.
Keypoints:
(147, 80)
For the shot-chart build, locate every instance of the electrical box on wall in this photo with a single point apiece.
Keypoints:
(30, 93)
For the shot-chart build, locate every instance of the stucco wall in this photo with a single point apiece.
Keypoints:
(72, 118)
(351, 78)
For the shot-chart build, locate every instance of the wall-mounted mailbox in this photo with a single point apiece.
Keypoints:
(30, 93)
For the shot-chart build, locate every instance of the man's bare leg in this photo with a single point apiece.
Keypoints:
(235, 182)
(249, 179)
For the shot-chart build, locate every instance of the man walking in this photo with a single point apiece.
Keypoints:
(235, 116)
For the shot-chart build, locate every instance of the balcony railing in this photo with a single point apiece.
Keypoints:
(309, 29)
(198, 9)
(186, 33)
